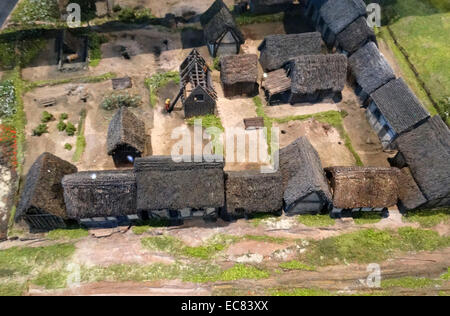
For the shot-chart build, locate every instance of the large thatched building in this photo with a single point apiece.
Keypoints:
(239, 75)
(336, 15)
(222, 34)
(126, 137)
(305, 185)
(277, 50)
(100, 194)
(42, 201)
(393, 110)
(317, 77)
(165, 184)
(426, 151)
(250, 192)
(277, 87)
(355, 36)
(369, 188)
(369, 69)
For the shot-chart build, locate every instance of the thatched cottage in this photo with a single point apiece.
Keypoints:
(305, 185)
(165, 184)
(317, 77)
(367, 188)
(42, 201)
(369, 69)
(72, 51)
(355, 36)
(197, 92)
(126, 137)
(277, 87)
(277, 50)
(100, 194)
(239, 75)
(222, 34)
(336, 15)
(426, 151)
(393, 110)
(250, 192)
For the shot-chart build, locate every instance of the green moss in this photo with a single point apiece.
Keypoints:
(296, 265)
(411, 239)
(52, 279)
(318, 220)
(240, 271)
(364, 218)
(299, 292)
(158, 81)
(428, 218)
(446, 276)
(67, 234)
(409, 283)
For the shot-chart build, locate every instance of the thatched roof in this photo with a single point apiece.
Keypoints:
(165, 184)
(311, 73)
(126, 129)
(277, 82)
(277, 50)
(399, 106)
(100, 194)
(217, 20)
(270, 2)
(426, 151)
(338, 14)
(355, 187)
(302, 172)
(43, 193)
(317, 4)
(253, 191)
(239, 69)
(410, 197)
(370, 68)
(354, 36)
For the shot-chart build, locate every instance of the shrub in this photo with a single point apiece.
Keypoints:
(117, 8)
(41, 129)
(61, 126)
(63, 116)
(7, 99)
(116, 101)
(46, 117)
(70, 129)
(68, 146)
(216, 63)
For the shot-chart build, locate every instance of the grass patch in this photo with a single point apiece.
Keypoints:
(241, 271)
(67, 234)
(410, 283)
(365, 218)
(268, 239)
(296, 265)
(32, 11)
(299, 292)
(145, 226)
(428, 218)
(51, 280)
(158, 81)
(446, 276)
(213, 126)
(89, 79)
(80, 144)
(318, 220)
(258, 218)
(95, 44)
(248, 18)
(12, 288)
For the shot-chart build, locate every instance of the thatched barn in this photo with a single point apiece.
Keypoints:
(72, 51)
(165, 184)
(277, 87)
(239, 75)
(393, 110)
(426, 151)
(317, 77)
(248, 192)
(222, 34)
(197, 92)
(100, 194)
(126, 137)
(269, 6)
(277, 50)
(336, 15)
(42, 201)
(355, 36)
(305, 185)
(369, 69)
(356, 188)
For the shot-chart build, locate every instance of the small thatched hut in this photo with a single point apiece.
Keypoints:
(317, 77)
(426, 151)
(305, 185)
(42, 201)
(126, 137)
(249, 192)
(269, 6)
(363, 187)
(393, 110)
(369, 69)
(277, 50)
(277, 87)
(223, 36)
(165, 184)
(239, 75)
(100, 194)
(355, 36)
(336, 15)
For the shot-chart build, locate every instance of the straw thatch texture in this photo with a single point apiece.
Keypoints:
(269, 6)
(239, 69)
(410, 197)
(357, 187)
(355, 36)
(338, 14)
(165, 184)
(253, 191)
(100, 194)
(277, 82)
(43, 193)
(277, 50)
